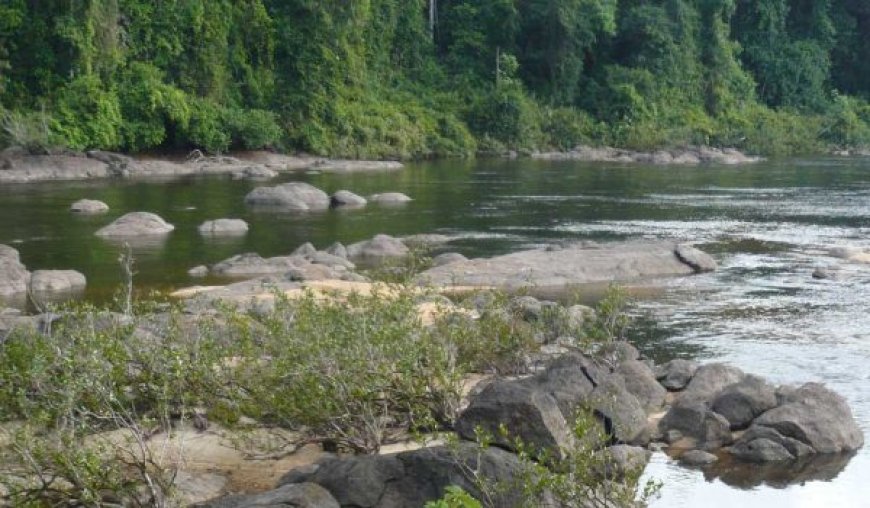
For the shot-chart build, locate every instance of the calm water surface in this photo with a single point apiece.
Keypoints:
(769, 226)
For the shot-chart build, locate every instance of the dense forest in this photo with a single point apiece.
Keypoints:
(422, 78)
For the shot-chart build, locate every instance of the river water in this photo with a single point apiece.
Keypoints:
(769, 225)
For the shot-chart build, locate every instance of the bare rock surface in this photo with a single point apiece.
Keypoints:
(574, 264)
(378, 249)
(135, 224)
(390, 198)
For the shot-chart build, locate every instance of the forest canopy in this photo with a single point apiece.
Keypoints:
(424, 78)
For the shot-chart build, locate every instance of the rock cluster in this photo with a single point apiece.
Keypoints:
(16, 280)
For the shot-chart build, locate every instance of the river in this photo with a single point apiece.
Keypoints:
(769, 226)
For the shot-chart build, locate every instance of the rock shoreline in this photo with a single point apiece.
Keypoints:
(691, 156)
(16, 167)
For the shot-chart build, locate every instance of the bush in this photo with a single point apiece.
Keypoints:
(149, 106)
(505, 114)
(88, 116)
(28, 130)
(252, 129)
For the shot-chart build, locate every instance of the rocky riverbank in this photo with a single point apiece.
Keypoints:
(17, 167)
(681, 157)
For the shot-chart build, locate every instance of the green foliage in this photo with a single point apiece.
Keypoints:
(28, 130)
(87, 115)
(455, 497)
(370, 79)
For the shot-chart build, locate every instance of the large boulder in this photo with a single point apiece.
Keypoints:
(695, 420)
(291, 495)
(416, 477)
(14, 276)
(816, 416)
(623, 415)
(741, 402)
(57, 281)
(221, 227)
(136, 224)
(378, 249)
(765, 444)
(676, 374)
(528, 414)
(570, 380)
(295, 196)
(447, 258)
(640, 382)
(89, 207)
(698, 260)
(708, 381)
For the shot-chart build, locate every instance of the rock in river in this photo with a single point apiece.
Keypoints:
(294, 196)
(136, 224)
(223, 227)
(348, 199)
(89, 206)
(57, 281)
(389, 198)
(378, 249)
(573, 264)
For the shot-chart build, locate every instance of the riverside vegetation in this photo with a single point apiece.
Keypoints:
(83, 399)
(423, 78)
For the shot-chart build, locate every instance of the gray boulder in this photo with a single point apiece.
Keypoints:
(337, 249)
(413, 478)
(425, 240)
(348, 199)
(816, 416)
(136, 224)
(623, 460)
(306, 249)
(676, 374)
(447, 258)
(89, 207)
(640, 382)
(327, 259)
(623, 415)
(619, 351)
(198, 271)
(527, 413)
(223, 227)
(292, 495)
(569, 379)
(741, 402)
(14, 276)
(765, 444)
(378, 249)
(57, 281)
(389, 198)
(694, 420)
(294, 196)
(708, 381)
(252, 265)
(699, 261)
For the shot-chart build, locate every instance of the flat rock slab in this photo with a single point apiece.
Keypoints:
(577, 264)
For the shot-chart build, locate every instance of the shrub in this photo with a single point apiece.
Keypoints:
(149, 106)
(86, 115)
(28, 130)
(252, 129)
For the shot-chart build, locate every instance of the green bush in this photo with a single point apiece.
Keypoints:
(86, 115)
(149, 107)
(252, 129)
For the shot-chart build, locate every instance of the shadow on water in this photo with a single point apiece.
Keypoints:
(778, 475)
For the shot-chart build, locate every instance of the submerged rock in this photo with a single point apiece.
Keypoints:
(137, 224)
(89, 207)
